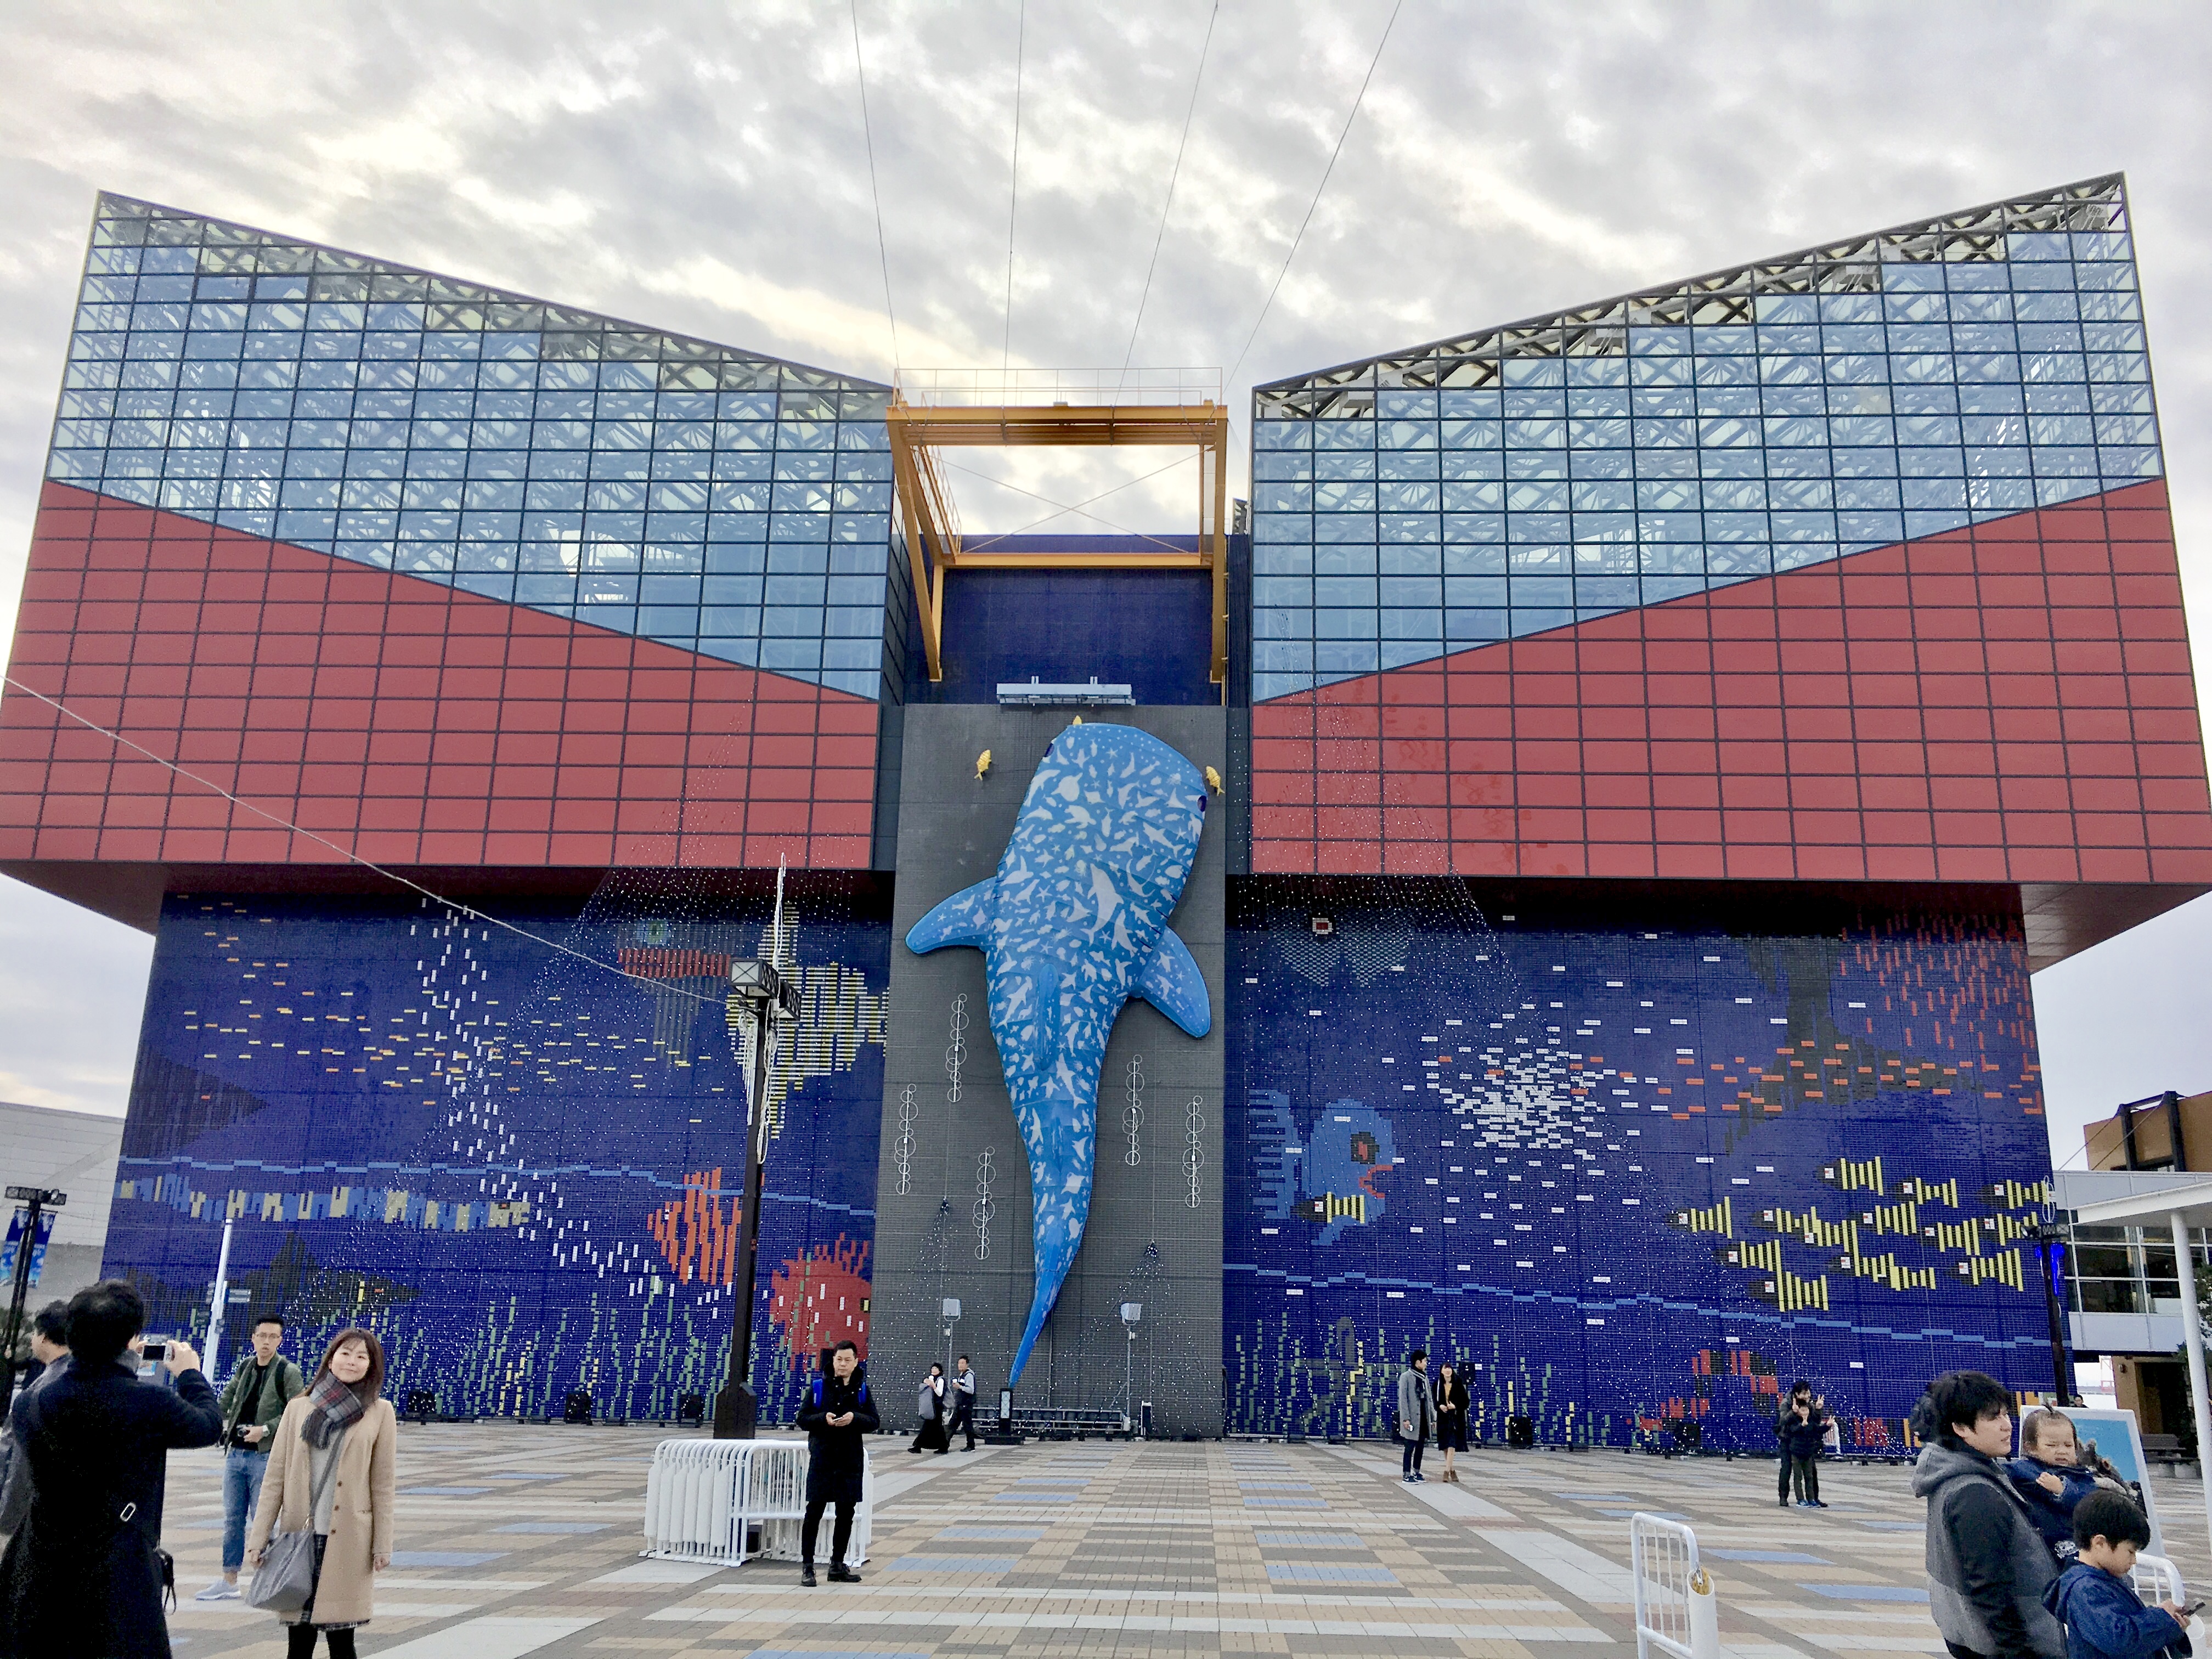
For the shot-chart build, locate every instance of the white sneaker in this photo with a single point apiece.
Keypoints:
(219, 1591)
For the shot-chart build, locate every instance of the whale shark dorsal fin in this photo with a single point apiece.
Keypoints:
(963, 919)
(1171, 981)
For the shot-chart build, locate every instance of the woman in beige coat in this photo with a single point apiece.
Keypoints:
(342, 1420)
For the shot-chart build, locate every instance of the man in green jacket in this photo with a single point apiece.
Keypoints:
(253, 1404)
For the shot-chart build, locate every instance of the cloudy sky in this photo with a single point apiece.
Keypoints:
(704, 169)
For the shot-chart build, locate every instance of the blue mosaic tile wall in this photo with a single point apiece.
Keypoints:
(1818, 404)
(520, 1170)
(1634, 1176)
(706, 498)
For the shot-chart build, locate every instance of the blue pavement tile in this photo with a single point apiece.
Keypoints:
(953, 1564)
(993, 1534)
(1322, 1572)
(444, 1558)
(1867, 1592)
(1792, 1557)
(567, 1526)
(1316, 1540)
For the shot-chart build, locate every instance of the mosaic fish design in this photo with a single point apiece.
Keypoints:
(1073, 924)
(1338, 1179)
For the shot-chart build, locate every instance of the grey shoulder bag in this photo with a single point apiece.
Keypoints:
(285, 1580)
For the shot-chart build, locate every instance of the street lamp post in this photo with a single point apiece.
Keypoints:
(1131, 1312)
(767, 1000)
(39, 1202)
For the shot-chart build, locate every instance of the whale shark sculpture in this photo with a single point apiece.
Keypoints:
(1073, 924)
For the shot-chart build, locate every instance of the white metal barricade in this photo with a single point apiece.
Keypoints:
(2157, 1579)
(725, 1501)
(1676, 1610)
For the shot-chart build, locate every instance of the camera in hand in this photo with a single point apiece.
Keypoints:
(154, 1351)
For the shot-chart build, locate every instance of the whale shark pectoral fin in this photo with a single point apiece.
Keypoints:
(963, 919)
(1171, 981)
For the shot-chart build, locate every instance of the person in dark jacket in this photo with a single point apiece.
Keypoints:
(82, 1576)
(837, 1413)
(1802, 1429)
(2049, 1477)
(49, 1360)
(1453, 1403)
(1987, 1565)
(2105, 1618)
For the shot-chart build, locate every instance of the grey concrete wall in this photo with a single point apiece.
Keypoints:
(1146, 1241)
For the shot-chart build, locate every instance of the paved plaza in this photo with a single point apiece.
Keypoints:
(516, 1539)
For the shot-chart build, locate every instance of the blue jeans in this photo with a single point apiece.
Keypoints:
(241, 1492)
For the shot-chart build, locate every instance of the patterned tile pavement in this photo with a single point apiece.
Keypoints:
(517, 1540)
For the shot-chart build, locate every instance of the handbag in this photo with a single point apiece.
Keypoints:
(285, 1580)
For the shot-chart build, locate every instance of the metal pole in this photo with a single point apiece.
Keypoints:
(2193, 1332)
(2054, 1243)
(221, 1299)
(25, 1248)
(736, 1409)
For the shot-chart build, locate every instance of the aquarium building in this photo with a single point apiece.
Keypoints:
(1654, 744)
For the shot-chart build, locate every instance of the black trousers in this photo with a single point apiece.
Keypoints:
(1413, 1450)
(963, 1416)
(932, 1436)
(840, 1534)
(1805, 1472)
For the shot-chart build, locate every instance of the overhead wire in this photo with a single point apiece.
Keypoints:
(972, 546)
(1063, 510)
(1174, 173)
(346, 852)
(1014, 188)
(1360, 98)
(875, 194)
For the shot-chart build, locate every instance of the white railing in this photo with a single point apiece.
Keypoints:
(725, 1501)
(2157, 1579)
(996, 388)
(1676, 1610)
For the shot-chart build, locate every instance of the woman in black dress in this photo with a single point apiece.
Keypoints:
(1452, 1405)
(929, 1406)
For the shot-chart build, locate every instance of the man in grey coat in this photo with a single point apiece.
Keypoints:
(1416, 1411)
(1987, 1564)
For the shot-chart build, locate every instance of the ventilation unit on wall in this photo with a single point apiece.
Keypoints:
(1017, 695)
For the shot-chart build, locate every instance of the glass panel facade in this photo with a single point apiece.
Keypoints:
(1585, 464)
(662, 487)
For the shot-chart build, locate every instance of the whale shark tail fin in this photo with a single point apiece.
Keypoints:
(1171, 981)
(1047, 1292)
(963, 919)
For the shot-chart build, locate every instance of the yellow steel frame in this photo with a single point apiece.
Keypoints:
(933, 533)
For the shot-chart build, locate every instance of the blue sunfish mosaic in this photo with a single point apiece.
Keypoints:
(1074, 924)
(1335, 1180)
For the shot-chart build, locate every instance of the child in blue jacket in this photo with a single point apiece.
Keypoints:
(2049, 1477)
(2105, 1618)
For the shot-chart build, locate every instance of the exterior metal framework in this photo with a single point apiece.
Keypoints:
(1348, 391)
(918, 431)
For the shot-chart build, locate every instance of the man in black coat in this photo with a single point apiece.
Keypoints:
(82, 1574)
(837, 1414)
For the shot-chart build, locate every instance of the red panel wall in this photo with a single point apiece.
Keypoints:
(2011, 702)
(410, 722)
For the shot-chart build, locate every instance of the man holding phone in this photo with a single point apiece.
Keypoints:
(837, 1414)
(253, 1403)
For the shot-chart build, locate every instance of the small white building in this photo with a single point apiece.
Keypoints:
(75, 1152)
